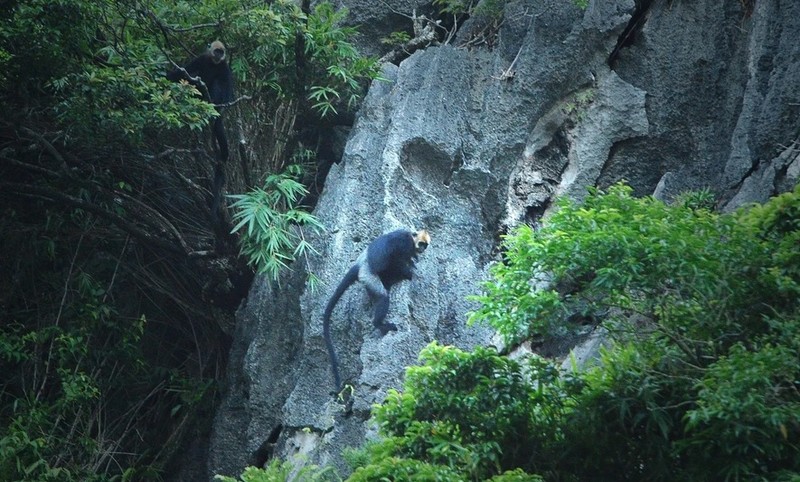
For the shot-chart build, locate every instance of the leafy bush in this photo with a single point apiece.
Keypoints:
(120, 105)
(270, 223)
(105, 204)
(746, 407)
(476, 414)
(516, 475)
(68, 410)
(701, 380)
(278, 471)
(671, 264)
(325, 69)
(405, 470)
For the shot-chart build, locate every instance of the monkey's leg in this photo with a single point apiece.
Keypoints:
(376, 289)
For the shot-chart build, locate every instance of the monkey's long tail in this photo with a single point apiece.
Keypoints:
(349, 279)
(218, 220)
(222, 139)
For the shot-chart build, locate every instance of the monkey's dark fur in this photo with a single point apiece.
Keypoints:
(212, 76)
(389, 259)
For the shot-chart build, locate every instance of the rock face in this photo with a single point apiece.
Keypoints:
(375, 20)
(468, 142)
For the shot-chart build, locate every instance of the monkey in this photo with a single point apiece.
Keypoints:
(212, 76)
(210, 73)
(388, 260)
(211, 67)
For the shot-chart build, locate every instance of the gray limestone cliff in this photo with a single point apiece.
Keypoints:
(667, 94)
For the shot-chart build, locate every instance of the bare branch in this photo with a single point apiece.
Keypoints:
(233, 102)
(58, 197)
(47, 147)
(424, 35)
(30, 167)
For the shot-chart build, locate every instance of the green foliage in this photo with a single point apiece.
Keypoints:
(702, 199)
(271, 223)
(455, 7)
(44, 39)
(110, 94)
(409, 470)
(396, 38)
(58, 419)
(490, 9)
(746, 407)
(516, 475)
(344, 71)
(476, 414)
(102, 70)
(106, 172)
(124, 103)
(329, 72)
(701, 382)
(405, 470)
(278, 471)
(578, 104)
(617, 252)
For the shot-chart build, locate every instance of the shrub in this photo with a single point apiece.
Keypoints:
(270, 223)
(700, 382)
(279, 471)
(405, 470)
(477, 414)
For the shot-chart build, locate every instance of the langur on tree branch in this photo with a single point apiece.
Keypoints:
(212, 76)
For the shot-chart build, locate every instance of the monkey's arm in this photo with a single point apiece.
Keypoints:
(187, 71)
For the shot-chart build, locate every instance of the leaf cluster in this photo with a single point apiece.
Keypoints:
(270, 223)
(121, 105)
(700, 381)
(107, 170)
(91, 67)
(632, 256)
(278, 471)
(298, 54)
(469, 414)
(67, 412)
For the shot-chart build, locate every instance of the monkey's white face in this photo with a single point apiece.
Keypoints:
(421, 240)
(217, 50)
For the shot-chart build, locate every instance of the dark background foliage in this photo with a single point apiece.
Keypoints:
(118, 286)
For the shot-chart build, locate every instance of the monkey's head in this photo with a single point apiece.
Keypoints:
(217, 51)
(421, 240)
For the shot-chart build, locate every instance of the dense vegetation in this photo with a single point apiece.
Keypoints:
(699, 379)
(118, 284)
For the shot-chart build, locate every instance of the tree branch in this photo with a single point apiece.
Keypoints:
(127, 226)
(424, 35)
(47, 146)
